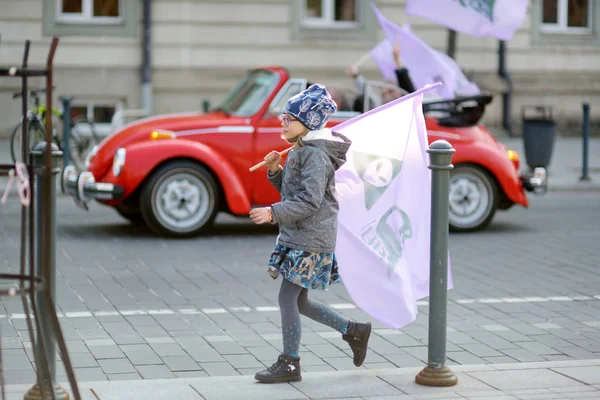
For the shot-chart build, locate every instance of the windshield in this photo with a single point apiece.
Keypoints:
(248, 96)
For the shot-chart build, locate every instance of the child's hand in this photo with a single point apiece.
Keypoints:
(273, 159)
(261, 215)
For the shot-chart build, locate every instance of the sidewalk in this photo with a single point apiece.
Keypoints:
(544, 380)
(563, 172)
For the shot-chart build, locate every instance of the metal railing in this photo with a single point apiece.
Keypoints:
(36, 182)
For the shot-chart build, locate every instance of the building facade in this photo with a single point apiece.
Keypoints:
(200, 48)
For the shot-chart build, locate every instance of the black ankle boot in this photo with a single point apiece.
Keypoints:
(286, 369)
(357, 337)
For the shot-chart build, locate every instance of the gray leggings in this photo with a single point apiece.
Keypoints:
(293, 301)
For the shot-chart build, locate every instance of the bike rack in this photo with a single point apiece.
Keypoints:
(32, 287)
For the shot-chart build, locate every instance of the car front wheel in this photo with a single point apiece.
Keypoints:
(473, 198)
(180, 199)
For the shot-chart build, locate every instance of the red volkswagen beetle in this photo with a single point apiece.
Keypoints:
(176, 172)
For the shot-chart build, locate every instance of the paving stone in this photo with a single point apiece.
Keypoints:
(219, 369)
(168, 349)
(233, 390)
(577, 352)
(240, 361)
(142, 389)
(83, 360)
(102, 352)
(480, 350)
(326, 350)
(121, 339)
(587, 375)
(117, 366)
(524, 379)
(522, 355)
(347, 386)
(124, 377)
(538, 348)
(342, 363)
(464, 357)
(155, 371)
(181, 363)
(205, 354)
(19, 377)
(500, 360)
(86, 374)
(404, 360)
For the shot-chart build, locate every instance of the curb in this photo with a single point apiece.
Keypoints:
(223, 384)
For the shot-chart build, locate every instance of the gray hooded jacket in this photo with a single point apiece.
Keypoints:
(308, 210)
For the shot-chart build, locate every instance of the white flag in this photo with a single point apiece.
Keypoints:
(427, 66)
(384, 191)
(474, 17)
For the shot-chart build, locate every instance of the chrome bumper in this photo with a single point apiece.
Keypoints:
(83, 187)
(536, 182)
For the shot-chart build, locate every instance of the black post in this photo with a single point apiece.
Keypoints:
(451, 45)
(436, 373)
(66, 102)
(507, 95)
(586, 138)
(147, 57)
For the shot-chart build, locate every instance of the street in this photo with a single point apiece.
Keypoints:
(134, 306)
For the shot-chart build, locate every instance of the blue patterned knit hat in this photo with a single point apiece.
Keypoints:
(312, 107)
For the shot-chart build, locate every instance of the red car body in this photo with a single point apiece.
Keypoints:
(225, 145)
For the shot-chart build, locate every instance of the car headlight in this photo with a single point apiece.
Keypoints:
(118, 161)
(89, 156)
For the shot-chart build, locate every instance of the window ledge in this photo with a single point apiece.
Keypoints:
(56, 25)
(355, 32)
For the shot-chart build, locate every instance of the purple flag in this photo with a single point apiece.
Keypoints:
(382, 55)
(384, 191)
(391, 30)
(474, 17)
(427, 65)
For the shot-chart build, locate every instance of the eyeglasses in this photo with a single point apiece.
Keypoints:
(287, 120)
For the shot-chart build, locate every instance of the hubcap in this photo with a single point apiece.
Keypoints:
(469, 200)
(181, 201)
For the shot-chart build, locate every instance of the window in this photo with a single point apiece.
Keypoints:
(331, 13)
(91, 17)
(289, 90)
(94, 11)
(351, 21)
(249, 95)
(567, 16)
(99, 113)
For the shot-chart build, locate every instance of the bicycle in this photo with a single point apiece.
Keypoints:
(82, 136)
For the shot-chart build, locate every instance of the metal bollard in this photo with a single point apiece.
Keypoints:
(66, 102)
(586, 138)
(436, 373)
(45, 217)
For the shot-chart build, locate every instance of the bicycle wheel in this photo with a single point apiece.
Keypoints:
(82, 141)
(35, 132)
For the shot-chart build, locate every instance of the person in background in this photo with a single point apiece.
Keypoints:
(403, 81)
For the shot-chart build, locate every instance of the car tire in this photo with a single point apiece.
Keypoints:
(134, 216)
(473, 198)
(180, 199)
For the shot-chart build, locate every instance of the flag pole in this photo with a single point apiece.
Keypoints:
(363, 59)
(437, 373)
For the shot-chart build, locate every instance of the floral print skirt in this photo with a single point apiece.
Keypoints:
(308, 269)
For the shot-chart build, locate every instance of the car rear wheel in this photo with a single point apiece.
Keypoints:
(180, 199)
(473, 198)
